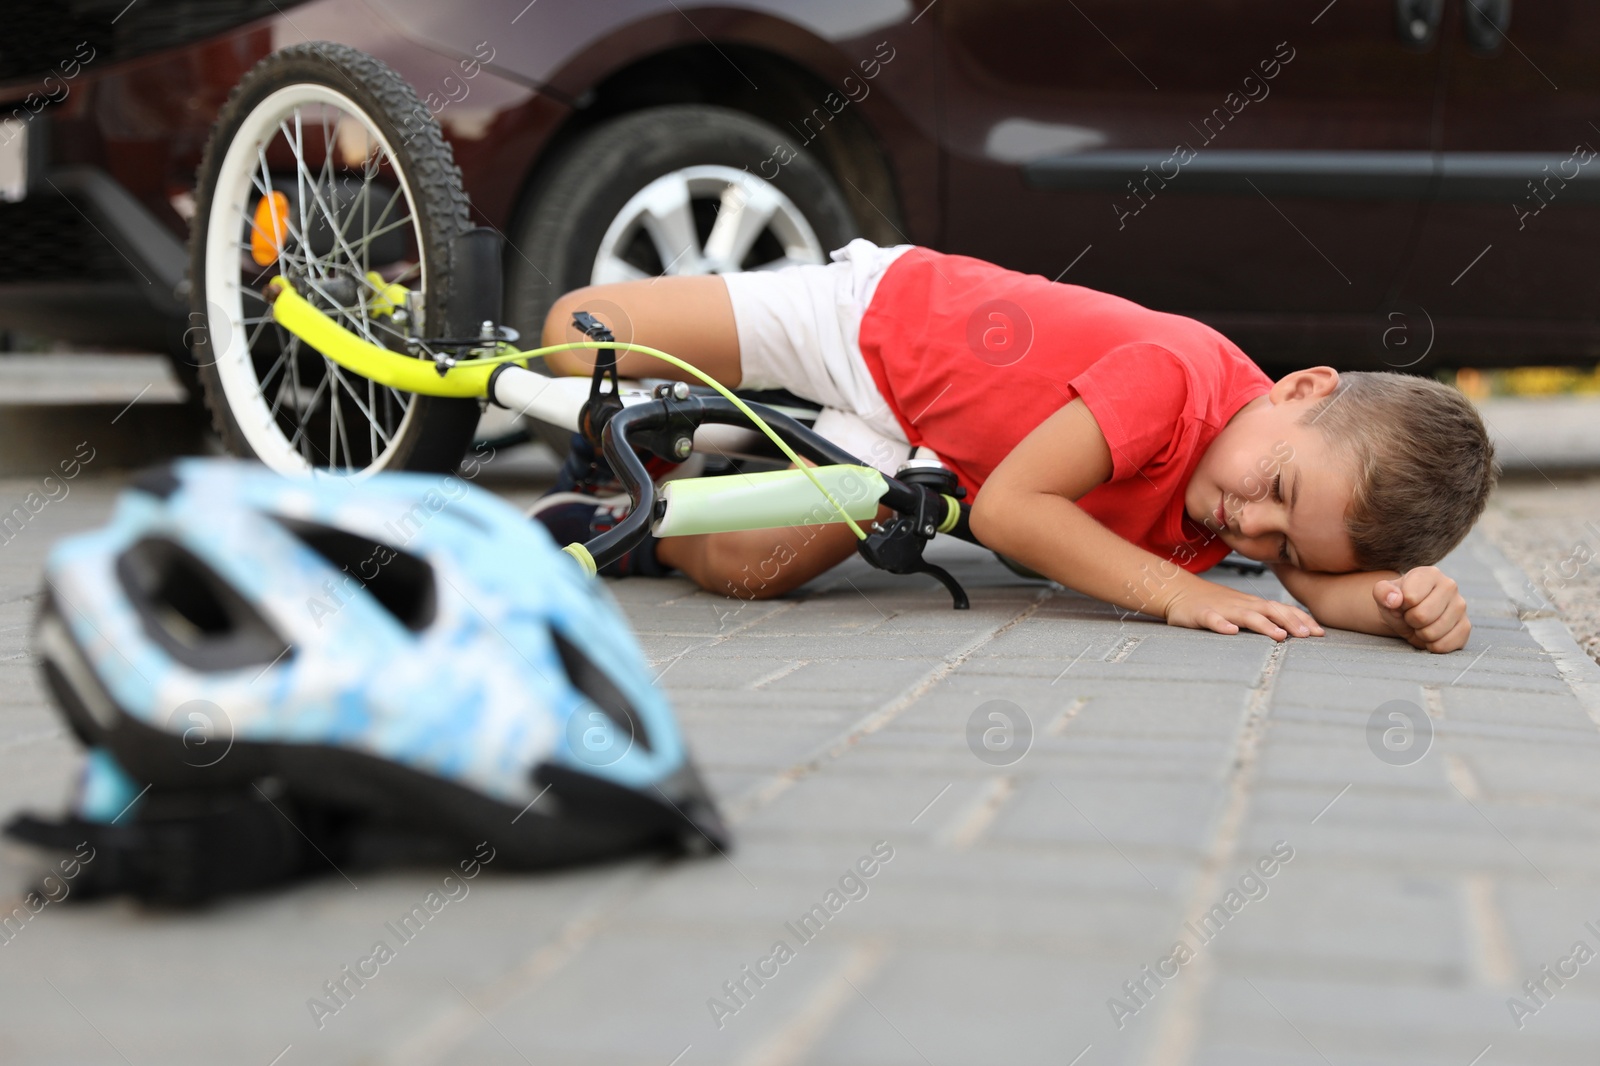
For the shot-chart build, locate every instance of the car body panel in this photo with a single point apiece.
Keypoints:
(1352, 184)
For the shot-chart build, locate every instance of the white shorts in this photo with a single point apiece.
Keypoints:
(799, 329)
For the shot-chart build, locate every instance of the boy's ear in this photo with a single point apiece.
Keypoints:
(1312, 383)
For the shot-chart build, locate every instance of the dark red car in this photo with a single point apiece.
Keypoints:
(1369, 183)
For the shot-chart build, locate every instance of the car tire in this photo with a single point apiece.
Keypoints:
(580, 197)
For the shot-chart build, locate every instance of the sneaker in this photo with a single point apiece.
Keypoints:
(577, 518)
(586, 471)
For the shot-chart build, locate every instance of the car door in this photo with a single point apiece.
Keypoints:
(1504, 267)
(1256, 162)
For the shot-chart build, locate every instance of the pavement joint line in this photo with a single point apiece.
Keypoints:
(764, 793)
(1507, 839)
(780, 673)
(433, 1041)
(719, 636)
(1178, 1025)
(791, 1040)
(1068, 713)
(982, 814)
(1494, 961)
(1460, 775)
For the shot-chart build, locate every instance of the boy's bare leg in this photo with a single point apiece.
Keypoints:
(688, 316)
(692, 318)
(759, 563)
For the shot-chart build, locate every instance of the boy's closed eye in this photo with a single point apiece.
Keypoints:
(1277, 494)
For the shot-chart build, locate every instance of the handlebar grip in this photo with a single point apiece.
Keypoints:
(962, 530)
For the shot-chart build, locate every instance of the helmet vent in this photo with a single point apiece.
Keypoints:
(192, 611)
(592, 681)
(402, 583)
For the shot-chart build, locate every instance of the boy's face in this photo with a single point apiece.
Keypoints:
(1273, 490)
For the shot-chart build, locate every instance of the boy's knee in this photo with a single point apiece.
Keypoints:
(735, 570)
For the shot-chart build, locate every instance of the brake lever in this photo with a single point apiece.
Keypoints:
(599, 408)
(897, 547)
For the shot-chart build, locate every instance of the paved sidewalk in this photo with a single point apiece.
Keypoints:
(1024, 907)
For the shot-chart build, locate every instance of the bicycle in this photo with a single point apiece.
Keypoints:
(623, 418)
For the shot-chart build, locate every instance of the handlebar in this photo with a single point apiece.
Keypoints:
(634, 424)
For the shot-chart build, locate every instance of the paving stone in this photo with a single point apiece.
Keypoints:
(1021, 896)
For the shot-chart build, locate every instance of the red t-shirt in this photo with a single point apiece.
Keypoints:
(972, 357)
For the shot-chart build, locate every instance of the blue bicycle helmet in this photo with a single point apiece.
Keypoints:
(275, 676)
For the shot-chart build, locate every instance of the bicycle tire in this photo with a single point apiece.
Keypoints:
(433, 433)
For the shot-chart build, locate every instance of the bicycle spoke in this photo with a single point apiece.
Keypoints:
(368, 238)
(300, 190)
(336, 420)
(285, 260)
(326, 175)
(311, 405)
(304, 174)
(283, 358)
(266, 378)
(386, 208)
(250, 341)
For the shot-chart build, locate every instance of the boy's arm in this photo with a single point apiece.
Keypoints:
(1422, 606)
(1027, 511)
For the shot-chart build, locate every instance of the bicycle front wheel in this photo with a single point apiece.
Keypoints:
(325, 167)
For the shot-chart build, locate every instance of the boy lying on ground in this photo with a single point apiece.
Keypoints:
(1117, 450)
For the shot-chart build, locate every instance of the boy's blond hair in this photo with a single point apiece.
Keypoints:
(1423, 465)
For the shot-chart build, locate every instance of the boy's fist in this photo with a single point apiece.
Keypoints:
(1424, 609)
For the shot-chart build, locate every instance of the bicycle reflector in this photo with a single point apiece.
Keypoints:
(269, 227)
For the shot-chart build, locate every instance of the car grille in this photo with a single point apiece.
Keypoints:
(44, 238)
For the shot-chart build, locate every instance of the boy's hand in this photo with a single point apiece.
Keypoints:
(1424, 609)
(1207, 605)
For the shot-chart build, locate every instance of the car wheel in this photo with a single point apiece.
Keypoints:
(324, 167)
(681, 189)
